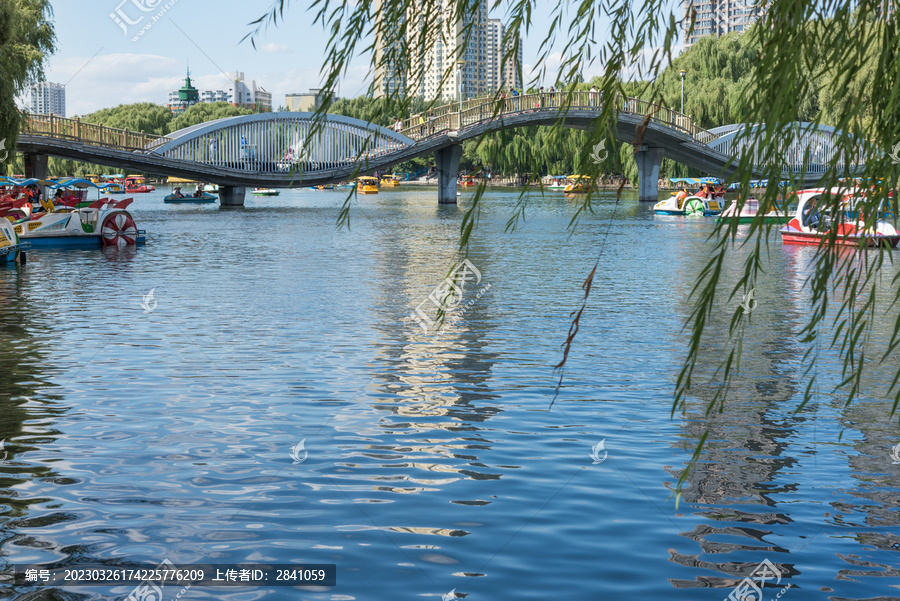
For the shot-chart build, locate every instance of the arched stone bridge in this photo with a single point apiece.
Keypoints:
(290, 149)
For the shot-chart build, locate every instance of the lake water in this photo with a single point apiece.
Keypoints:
(431, 462)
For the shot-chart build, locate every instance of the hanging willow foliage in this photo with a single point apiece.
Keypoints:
(832, 62)
(27, 38)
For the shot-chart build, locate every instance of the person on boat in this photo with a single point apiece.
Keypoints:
(199, 192)
(679, 198)
(177, 193)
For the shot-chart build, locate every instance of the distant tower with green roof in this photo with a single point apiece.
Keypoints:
(188, 95)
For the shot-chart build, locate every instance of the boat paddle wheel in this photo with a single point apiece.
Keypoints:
(119, 230)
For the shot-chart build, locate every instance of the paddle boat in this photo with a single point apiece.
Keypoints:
(468, 180)
(101, 223)
(388, 180)
(749, 212)
(578, 184)
(265, 192)
(367, 185)
(10, 246)
(813, 222)
(115, 188)
(134, 184)
(691, 206)
(557, 182)
(199, 196)
(211, 188)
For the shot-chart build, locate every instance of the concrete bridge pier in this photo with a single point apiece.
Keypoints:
(36, 165)
(447, 162)
(648, 163)
(231, 196)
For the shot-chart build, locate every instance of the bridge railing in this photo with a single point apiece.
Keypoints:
(89, 133)
(456, 115)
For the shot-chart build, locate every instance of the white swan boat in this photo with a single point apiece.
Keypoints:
(690, 206)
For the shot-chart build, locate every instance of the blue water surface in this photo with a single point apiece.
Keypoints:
(142, 429)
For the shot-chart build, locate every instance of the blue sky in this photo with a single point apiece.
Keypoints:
(102, 66)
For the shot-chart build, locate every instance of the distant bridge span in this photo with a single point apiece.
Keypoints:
(283, 150)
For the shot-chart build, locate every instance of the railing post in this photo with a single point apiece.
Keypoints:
(51, 125)
(78, 129)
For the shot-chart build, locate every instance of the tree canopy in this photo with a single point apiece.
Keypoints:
(26, 40)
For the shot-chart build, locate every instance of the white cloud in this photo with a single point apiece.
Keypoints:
(273, 48)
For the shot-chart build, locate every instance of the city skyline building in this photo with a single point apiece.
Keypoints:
(500, 73)
(306, 101)
(48, 98)
(475, 71)
(718, 17)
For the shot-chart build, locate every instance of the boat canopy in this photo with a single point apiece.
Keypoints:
(367, 178)
(74, 182)
(578, 177)
(8, 181)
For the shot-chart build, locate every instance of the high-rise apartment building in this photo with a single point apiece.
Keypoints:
(48, 98)
(719, 17)
(390, 78)
(432, 57)
(479, 69)
(501, 73)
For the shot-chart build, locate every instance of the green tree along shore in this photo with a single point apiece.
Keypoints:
(26, 39)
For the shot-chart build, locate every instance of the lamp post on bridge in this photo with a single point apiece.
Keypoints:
(683, 72)
(459, 68)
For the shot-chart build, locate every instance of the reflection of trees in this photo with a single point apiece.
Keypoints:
(22, 365)
(745, 460)
(870, 517)
(748, 438)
